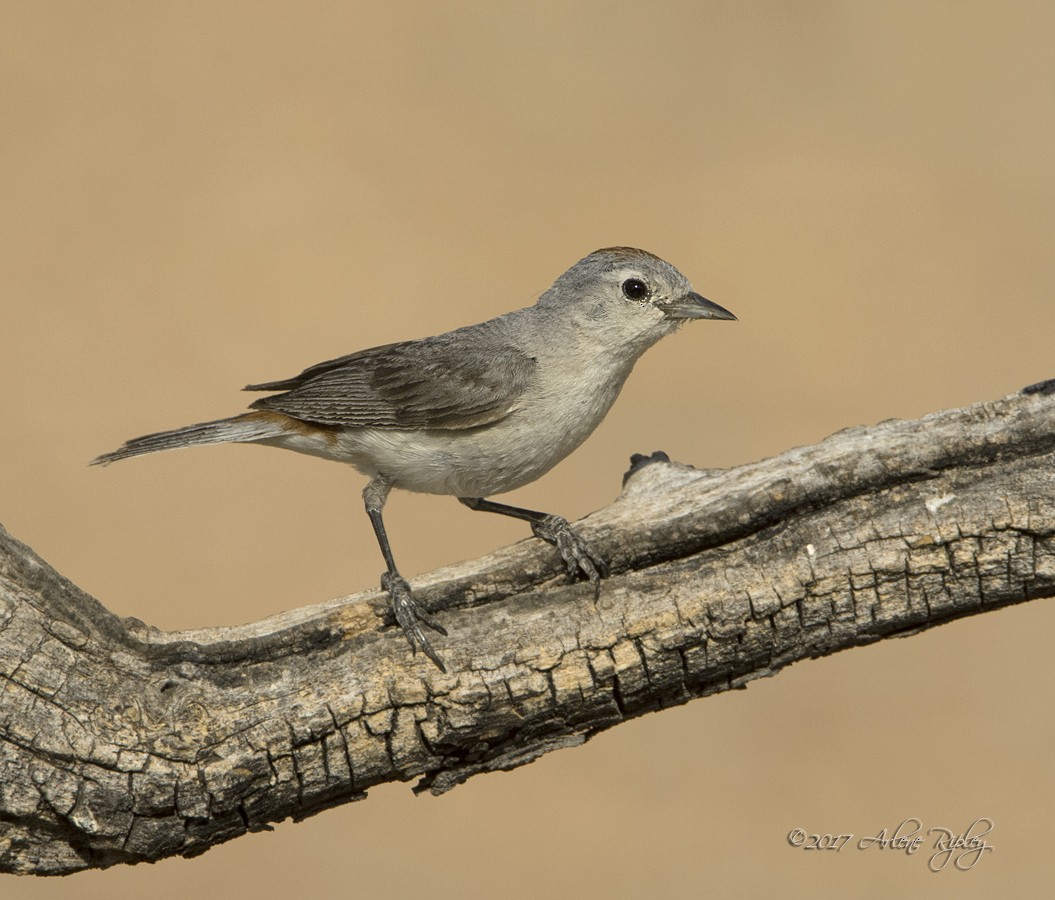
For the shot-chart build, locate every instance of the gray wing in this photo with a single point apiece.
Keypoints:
(445, 382)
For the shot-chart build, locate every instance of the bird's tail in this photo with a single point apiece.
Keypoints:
(248, 427)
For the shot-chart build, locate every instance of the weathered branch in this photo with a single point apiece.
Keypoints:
(121, 743)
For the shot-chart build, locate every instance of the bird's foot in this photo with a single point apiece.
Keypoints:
(411, 617)
(576, 553)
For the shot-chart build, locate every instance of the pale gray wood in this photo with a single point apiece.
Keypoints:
(121, 743)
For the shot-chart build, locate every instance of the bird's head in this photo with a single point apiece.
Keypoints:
(628, 296)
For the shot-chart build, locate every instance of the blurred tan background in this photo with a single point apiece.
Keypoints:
(200, 195)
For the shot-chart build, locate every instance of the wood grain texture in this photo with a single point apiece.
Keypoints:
(121, 743)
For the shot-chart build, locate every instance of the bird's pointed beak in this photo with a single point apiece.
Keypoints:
(693, 306)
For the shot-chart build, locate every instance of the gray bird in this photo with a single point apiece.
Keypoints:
(477, 411)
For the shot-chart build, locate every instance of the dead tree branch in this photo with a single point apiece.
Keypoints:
(121, 743)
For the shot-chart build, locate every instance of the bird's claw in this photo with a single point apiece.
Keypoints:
(576, 553)
(411, 617)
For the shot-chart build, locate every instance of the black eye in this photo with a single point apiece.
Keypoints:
(635, 289)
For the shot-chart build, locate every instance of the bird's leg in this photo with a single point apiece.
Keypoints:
(409, 615)
(576, 553)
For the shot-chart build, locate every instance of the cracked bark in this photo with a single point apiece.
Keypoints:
(120, 743)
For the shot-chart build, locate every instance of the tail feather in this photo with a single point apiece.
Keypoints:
(247, 427)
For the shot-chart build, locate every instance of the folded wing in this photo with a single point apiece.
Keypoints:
(446, 382)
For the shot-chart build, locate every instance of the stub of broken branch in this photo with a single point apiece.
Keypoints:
(121, 743)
